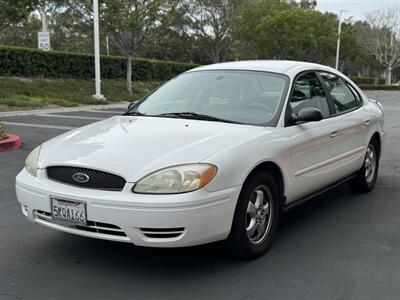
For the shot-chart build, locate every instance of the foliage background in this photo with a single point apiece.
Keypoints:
(26, 62)
(193, 31)
(2, 131)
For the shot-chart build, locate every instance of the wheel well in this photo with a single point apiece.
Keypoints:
(377, 138)
(275, 171)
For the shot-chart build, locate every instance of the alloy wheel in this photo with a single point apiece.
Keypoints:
(370, 164)
(259, 214)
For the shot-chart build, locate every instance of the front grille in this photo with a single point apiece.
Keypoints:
(97, 227)
(162, 233)
(97, 179)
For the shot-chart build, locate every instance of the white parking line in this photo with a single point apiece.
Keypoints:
(69, 117)
(119, 112)
(38, 125)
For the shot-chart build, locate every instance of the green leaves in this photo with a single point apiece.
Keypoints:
(127, 21)
(209, 23)
(14, 11)
(298, 34)
(276, 30)
(2, 131)
(25, 62)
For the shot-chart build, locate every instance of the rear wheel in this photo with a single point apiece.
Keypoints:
(256, 216)
(365, 180)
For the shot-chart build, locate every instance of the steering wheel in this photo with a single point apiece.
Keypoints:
(259, 105)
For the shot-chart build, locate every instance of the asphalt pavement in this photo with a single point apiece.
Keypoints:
(337, 246)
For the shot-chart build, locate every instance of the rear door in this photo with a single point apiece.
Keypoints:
(352, 122)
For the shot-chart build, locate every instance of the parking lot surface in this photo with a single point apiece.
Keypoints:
(337, 246)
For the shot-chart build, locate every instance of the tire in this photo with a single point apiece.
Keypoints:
(247, 238)
(365, 180)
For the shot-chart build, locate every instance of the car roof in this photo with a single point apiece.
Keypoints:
(275, 66)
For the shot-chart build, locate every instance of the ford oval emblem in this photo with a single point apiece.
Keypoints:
(80, 177)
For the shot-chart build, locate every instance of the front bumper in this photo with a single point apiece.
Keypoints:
(146, 220)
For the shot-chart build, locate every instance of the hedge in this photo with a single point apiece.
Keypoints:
(26, 62)
(2, 131)
(374, 87)
(368, 80)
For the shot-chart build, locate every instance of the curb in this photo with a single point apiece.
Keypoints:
(12, 142)
(61, 109)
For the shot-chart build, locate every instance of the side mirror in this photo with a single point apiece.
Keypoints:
(307, 114)
(132, 104)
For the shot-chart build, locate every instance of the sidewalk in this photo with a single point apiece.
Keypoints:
(119, 105)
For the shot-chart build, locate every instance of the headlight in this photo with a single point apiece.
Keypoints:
(31, 161)
(177, 179)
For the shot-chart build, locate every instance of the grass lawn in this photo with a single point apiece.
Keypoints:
(27, 93)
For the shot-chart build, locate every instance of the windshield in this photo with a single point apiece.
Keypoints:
(231, 96)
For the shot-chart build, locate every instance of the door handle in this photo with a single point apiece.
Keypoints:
(367, 122)
(334, 134)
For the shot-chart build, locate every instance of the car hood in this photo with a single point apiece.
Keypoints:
(133, 147)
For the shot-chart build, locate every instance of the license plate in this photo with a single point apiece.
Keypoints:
(68, 212)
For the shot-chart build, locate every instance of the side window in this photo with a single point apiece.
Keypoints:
(342, 95)
(308, 92)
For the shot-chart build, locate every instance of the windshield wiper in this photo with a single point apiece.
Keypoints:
(195, 116)
(135, 113)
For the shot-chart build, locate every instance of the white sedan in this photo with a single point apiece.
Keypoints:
(217, 153)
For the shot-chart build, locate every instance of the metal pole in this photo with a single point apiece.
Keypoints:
(338, 41)
(98, 94)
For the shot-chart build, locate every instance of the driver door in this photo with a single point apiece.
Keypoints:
(313, 145)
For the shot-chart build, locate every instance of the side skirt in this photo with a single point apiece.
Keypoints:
(302, 200)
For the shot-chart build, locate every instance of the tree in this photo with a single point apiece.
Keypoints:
(70, 33)
(126, 22)
(23, 34)
(251, 14)
(355, 60)
(308, 4)
(15, 11)
(382, 39)
(171, 39)
(295, 33)
(210, 24)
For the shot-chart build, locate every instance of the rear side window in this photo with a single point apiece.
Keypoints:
(344, 98)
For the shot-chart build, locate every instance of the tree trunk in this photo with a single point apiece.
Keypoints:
(129, 74)
(43, 16)
(388, 75)
(216, 55)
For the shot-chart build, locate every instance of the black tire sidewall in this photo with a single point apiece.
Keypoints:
(238, 237)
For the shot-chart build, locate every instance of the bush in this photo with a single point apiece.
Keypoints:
(373, 87)
(2, 131)
(25, 62)
(367, 80)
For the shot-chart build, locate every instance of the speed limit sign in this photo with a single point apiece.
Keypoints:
(44, 40)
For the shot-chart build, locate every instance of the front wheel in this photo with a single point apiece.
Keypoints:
(365, 180)
(256, 217)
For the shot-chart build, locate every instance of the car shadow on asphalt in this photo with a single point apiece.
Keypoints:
(121, 258)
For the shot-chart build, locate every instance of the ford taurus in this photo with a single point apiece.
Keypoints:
(217, 153)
